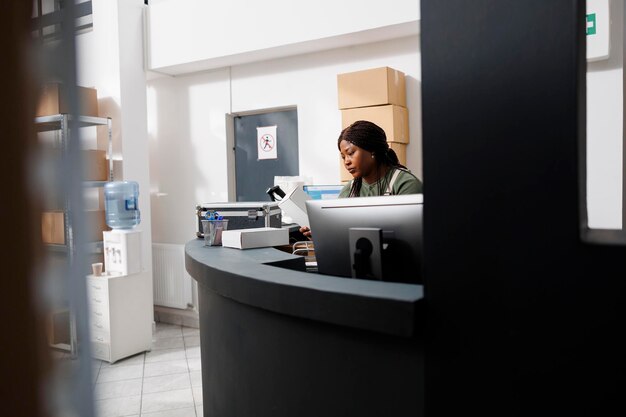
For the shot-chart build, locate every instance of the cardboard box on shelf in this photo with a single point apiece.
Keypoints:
(95, 165)
(371, 87)
(394, 120)
(399, 148)
(54, 100)
(52, 230)
(53, 226)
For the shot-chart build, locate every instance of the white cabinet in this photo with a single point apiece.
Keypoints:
(120, 301)
(120, 310)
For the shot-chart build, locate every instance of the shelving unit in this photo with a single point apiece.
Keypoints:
(61, 123)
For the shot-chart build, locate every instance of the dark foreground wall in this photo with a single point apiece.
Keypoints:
(522, 317)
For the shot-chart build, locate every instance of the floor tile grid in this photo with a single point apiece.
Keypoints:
(164, 338)
(186, 336)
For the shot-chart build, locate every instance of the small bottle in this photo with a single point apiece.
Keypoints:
(121, 204)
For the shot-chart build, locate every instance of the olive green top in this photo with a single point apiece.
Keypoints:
(405, 183)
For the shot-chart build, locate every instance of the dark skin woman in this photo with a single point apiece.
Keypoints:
(374, 166)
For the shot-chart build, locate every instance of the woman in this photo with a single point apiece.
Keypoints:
(373, 165)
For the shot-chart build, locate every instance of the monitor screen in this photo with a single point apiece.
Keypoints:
(391, 224)
(323, 192)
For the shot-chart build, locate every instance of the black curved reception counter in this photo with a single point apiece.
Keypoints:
(278, 341)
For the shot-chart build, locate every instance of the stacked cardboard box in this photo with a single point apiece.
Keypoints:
(95, 165)
(53, 226)
(379, 96)
(54, 100)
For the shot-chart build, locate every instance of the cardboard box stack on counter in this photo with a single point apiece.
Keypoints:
(377, 95)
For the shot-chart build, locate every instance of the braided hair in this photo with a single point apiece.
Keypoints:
(371, 137)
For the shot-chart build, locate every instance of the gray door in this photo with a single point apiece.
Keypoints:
(253, 176)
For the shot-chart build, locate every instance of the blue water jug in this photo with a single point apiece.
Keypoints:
(121, 204)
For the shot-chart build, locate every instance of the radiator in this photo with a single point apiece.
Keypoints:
(172, 284)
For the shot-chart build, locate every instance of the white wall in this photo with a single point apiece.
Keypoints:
(193, 35)
(110, 58)
(188, 133)
(186, 119)
(605, 113)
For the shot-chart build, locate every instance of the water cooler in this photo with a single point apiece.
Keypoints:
(120, 299)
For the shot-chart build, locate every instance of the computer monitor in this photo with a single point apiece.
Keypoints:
(342, 228)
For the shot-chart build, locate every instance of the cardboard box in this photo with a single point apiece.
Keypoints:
(399, 148)
(53, 230)
(259, 237)
(394, 120)
(54, 100)
(95, 165)
(372, 87)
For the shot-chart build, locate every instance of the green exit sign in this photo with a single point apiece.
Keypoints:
(591, 24)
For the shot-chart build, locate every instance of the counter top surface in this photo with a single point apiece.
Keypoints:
(269, 278)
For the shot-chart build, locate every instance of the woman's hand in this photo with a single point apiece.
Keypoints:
(306, 231)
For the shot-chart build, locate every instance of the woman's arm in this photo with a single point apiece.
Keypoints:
(306, 231)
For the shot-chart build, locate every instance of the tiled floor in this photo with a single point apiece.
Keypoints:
(165, 382)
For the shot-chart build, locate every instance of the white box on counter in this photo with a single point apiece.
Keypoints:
(258, 237)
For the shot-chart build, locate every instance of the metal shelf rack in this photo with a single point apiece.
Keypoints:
(61, 123)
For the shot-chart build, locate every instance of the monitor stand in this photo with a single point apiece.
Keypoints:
(366, 246)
